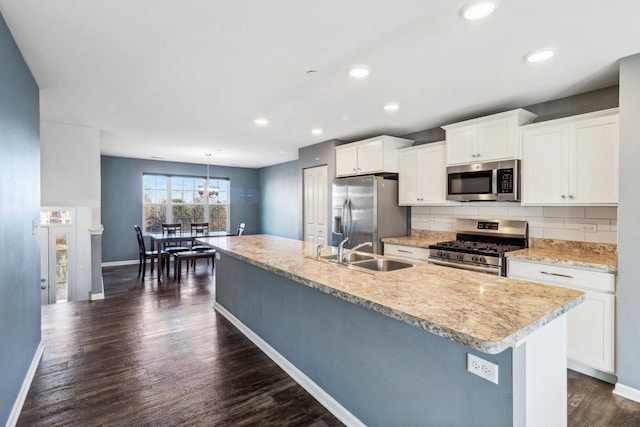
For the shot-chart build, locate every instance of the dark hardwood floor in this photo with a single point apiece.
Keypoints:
(152, 355)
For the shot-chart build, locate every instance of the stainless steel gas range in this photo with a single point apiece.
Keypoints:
(480, 245)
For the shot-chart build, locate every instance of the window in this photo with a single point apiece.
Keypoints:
(182, 199)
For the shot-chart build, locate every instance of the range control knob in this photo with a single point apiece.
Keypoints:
(483, 260)
(460, 256)
(474, 258)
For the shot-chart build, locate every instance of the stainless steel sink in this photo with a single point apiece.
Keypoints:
(382, 265)
(355, 257)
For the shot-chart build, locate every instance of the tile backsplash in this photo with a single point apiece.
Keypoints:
(597, 224)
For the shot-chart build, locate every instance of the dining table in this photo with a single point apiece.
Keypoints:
(161, 239)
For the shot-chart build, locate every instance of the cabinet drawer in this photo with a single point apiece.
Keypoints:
(562, 276)
(410, 252)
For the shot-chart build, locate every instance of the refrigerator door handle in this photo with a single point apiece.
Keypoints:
(349, 218)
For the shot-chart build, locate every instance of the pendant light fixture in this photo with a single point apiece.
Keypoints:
(211, 191)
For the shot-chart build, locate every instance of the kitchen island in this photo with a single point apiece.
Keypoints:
(391, 349)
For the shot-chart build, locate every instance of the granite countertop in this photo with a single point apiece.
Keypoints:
(414, 241)
(481, 311)
(421, 238)
(591, 256)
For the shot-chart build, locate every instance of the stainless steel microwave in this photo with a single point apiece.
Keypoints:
(499, 181)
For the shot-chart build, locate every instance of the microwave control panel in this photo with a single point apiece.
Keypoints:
(505, 181)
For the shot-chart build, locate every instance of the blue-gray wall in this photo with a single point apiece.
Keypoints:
(281, 192)
(122, 199)
(384, 371)
(19, 206)
(629, 225)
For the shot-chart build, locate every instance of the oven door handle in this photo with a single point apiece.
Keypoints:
(480, 269)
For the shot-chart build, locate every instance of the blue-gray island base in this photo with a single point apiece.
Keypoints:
(371, 369)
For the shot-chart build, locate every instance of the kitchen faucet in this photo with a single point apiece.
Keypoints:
(341, 250)
(354, 249)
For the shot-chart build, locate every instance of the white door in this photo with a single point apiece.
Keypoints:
(316, 205)
(45, 296)
(56, 254)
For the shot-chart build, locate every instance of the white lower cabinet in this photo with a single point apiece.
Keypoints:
(409, 252)
(590, 325)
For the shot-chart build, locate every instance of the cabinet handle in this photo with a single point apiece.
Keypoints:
(478, 155)
(556, 274)
(571, 196)
(564, 197)
(354, 169)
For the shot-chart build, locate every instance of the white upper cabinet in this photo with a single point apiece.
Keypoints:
(373, 155)
(422, 175)
(571, 161)
(487, 138)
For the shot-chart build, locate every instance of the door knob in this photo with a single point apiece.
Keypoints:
(43, 287)
(43, 280)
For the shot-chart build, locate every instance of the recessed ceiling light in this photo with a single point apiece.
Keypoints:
(261, 121)
(391, 106)
(317, 131)
(478, 10)
(539, 55)
(359, 71)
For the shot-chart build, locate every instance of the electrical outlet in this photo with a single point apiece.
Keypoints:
(589, 227)
(482, 368)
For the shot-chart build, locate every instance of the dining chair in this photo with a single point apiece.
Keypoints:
(240, 229)
(152, 255)
(199, 228)
(173, 247)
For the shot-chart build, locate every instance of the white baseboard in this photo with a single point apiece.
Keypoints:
(339, 411)
(627, 392)
(117, 263)
(97, 297)
(26, 384)
(592, 372)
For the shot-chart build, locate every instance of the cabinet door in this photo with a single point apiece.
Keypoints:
(409, 178)
(370, 157)
(461, 145)
(590, 331)
(346, 160)
(496, 140)
(545, 154)
(593, 160)
(434, 175)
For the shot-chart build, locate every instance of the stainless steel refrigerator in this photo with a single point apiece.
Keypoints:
(365, 209)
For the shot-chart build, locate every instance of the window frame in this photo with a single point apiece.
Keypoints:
(168, 205)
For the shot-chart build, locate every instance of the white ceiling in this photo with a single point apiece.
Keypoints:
(177, 79)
